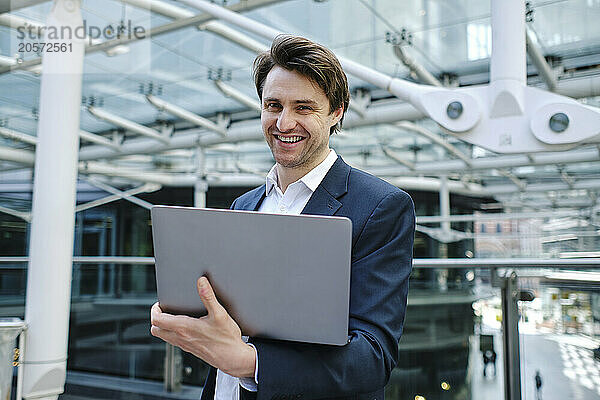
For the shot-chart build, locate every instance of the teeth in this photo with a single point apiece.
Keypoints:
(290, 139)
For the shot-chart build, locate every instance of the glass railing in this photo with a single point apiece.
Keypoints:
(465, 318)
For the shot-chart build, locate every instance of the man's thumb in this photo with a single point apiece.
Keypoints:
(207, 295)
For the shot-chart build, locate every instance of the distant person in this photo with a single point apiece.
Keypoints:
(493, 360)
(489, 357)
(538, 385)
(486, 361)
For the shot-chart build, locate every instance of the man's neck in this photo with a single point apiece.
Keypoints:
(287, 176)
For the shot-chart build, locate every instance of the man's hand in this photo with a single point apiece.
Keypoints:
(215, 338)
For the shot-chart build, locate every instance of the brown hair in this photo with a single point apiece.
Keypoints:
(310, 59)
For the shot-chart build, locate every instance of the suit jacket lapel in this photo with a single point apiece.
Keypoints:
(253, 202)
(324, 201)
(257, 200)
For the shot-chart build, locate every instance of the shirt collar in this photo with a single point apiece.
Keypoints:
(312, 179)
(271, 180)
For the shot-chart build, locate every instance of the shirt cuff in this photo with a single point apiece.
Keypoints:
(250, 384)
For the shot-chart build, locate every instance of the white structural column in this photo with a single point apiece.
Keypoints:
(53, 214)
(508, 41)
(508, 63)
(200, 185)
(444, 203)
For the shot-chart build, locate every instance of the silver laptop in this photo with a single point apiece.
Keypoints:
(281, 277)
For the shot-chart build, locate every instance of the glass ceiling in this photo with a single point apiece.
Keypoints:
(451, 39)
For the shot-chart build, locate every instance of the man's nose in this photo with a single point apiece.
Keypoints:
(286, 122)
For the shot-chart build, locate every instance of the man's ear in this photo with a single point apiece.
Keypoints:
(337, 115)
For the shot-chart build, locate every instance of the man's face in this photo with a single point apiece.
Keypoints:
(296, 119)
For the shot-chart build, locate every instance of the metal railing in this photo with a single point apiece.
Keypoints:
(568, 263)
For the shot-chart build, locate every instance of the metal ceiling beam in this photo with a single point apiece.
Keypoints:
(545, 187)
(537, 58)
(124, 195)
(18, 136)
(422, 73)
(540, 204)
(30, 139)
(14, 22)
(26, 216)
(10, 62)
(238, 96)
(101, 140)
(431, 219)
(360, 101)
(249, 170)
(242, 6)
(569, 180)
(7, 61)
(24, 157)
(419, 130)
(234, 36)
(396, 157)
(172, 11)
(186, 115)
(127, 124)
(513, 178)
(13, 5)
(161, 7)
(165, 179)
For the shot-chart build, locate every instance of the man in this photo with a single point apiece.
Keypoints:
(304, 95)
(538, 385)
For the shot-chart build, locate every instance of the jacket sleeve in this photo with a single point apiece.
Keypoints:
(381, 265)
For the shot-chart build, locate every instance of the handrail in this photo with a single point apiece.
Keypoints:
(417, 263)
(89, 260)
(506, 263)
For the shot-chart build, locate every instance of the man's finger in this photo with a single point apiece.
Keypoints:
(208, 297)
(156, 307)
(155, 311)
(167, 321)
(166, 335)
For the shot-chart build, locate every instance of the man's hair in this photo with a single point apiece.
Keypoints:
(314, 61)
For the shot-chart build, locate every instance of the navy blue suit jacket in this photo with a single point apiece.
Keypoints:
(383, 225)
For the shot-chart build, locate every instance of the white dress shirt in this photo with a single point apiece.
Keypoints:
(292, 201)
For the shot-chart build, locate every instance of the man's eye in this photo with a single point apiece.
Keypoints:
(272, 105)
(304, 108)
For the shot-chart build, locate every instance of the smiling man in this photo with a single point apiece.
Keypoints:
(304, 94)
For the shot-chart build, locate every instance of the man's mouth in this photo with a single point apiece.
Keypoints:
(289, 139)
